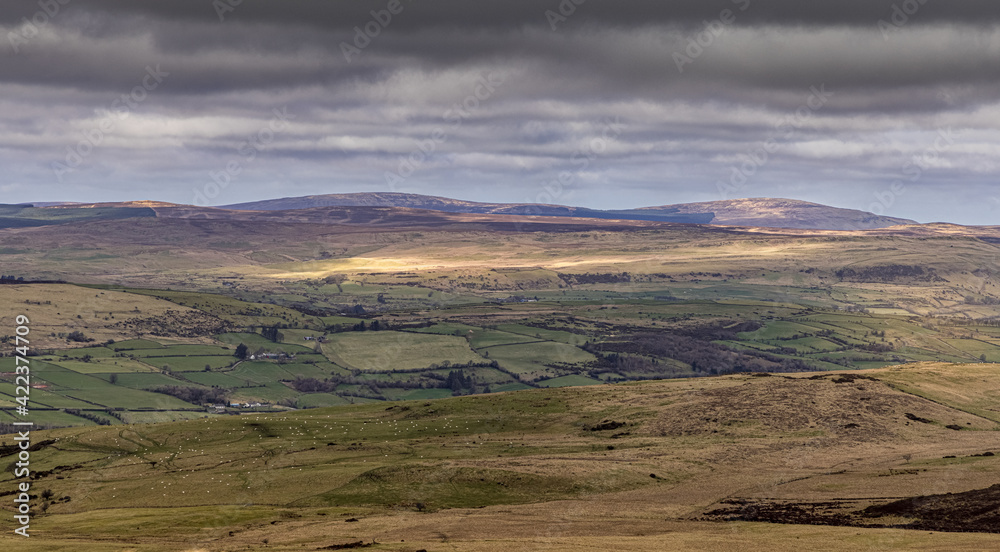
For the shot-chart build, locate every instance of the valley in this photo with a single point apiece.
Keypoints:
(480, 381)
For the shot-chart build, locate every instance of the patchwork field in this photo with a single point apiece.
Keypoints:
(388, 350)
(388, 354)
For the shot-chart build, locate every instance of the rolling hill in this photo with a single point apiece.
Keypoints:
(388, 207)
(761, 212)
(415, 201)
(26, 216)
(782, 213)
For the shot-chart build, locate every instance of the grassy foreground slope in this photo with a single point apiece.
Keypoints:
(638, 466)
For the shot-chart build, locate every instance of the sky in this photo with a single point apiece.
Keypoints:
(886, 106)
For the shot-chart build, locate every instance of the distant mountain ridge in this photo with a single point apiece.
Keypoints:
(758, 212)
(785, 213)
(447, 205)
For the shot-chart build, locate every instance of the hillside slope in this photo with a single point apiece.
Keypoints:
(783, 213)
(618, 467)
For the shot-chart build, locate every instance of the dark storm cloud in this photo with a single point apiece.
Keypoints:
(495, 14)
(411, 99)
(603, 48)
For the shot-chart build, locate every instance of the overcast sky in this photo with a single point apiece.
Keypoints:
(881, 105)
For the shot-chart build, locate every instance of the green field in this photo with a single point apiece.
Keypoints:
(133, 344)
(318, 371)
(318, 400)
(97, 391)
(481, 339)
(271, 392)
(541, 333)
(248, 339)
(568, 381)
(144, 381)
(259, 372)
(533, 359)
(191, 363)
(778, 330)
(510, 387)
(447, 328)
(390, 350)
(214, 379)
(95, 352)
(255, 341)
(44, 398)
(103, 366)
(184, 350)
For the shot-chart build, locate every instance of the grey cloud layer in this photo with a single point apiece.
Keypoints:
(514, 13)
(355, 123)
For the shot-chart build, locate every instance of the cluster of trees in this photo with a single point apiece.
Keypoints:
(175, 324)
(876, 347)
(638, 354)
(374, 326)
(457, 381)
(194, 395)
(9, 428)
(313, 385)
(335, 279)
(78, 337)
(982, 300)
(273, 334)
(721, 330)
(89, 416)
(630, 364)
(993, 322)
(888, 273)
(599, 278)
